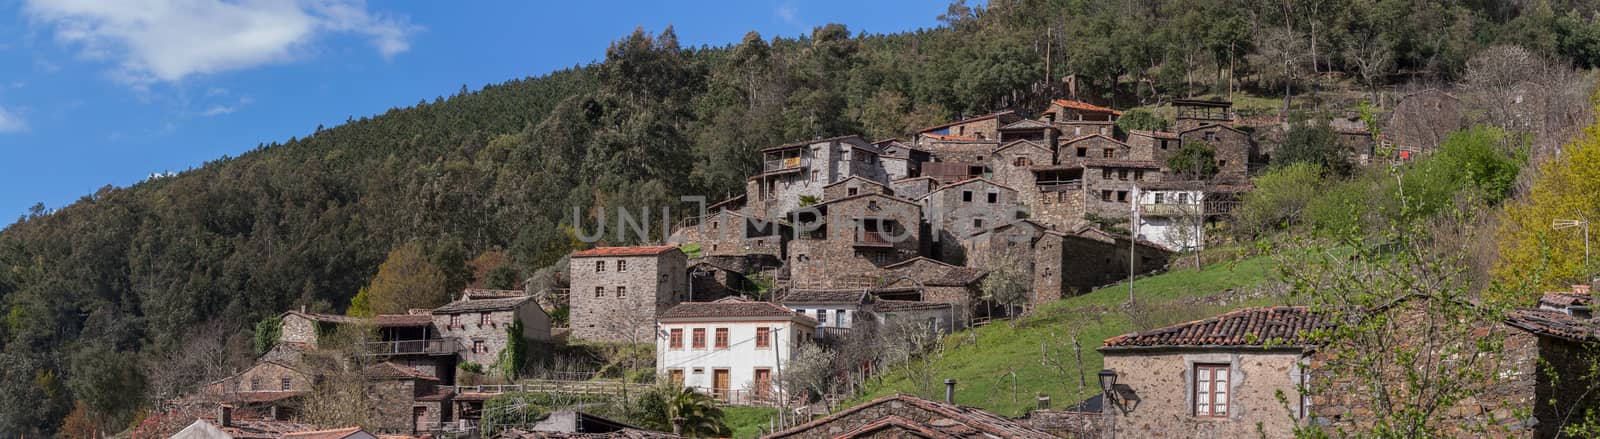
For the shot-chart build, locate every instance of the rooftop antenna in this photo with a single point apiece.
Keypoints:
(1570, 223)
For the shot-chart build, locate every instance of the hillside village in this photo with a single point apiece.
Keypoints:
(842, 239)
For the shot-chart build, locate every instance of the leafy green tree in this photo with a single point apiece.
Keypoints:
(1195, 161)
(1141, 119)
(1314, 142)
(1279, 198)
(407, 280)
(267, 332)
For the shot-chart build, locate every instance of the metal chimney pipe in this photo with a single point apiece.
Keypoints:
(950, 390)
(1044, 402)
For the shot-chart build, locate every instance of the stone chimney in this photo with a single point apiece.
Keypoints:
(224, 415)
(950, 390)
(1052, 138)
(1044, 402)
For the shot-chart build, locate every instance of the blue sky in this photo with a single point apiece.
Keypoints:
(98, 92)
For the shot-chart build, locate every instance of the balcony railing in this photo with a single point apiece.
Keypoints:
(433, 346)
(785, 163)
(740, 396)
(831, 334)
(1059, 185)
(873, 239)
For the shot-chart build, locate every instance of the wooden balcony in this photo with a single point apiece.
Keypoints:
(433, 346)
(785, 164)
(873, 239)
(1059, 185)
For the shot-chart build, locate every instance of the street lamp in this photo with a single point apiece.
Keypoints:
(1570, 223)
(1108, 381)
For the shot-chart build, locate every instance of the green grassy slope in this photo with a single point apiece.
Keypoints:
(1001, 368)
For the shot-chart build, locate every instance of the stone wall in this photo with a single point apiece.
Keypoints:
(971, 207)
(654, 283)
(298, 329)
(1088, 263)
(1155, 393)
(1094, 147)
(1010, 165)
(1422, 120)
(852, 186)
(1116, 182)
(263, 377)
(726, 233)
(961, 151)
(1062, 209)
(1078, 128)
(393, 407)
(1233, 149)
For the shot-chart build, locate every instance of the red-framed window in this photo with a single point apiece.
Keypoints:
(1211, 390)
(763, 338)
(675, 340)
(722, 338)
(699, 338)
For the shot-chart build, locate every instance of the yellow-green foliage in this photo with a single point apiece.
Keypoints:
(1567, 187)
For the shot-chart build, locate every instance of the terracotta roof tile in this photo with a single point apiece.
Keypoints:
(1562, 299)
(727, 308)
(324, 434)
(1553, 323)
(1282, 325)
(1085, 106)
(649, 250)
(950, 420)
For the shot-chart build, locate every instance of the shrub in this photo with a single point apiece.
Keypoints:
(1141, 119)
(1280, 197)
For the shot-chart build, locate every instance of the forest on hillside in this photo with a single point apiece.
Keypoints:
(133, 295)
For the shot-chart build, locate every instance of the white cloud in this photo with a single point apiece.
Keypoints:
(11, 122)
(168, 40)
(789, 13)
(218, 110)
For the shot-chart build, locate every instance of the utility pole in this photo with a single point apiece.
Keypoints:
(1133, 238)
(777, 363)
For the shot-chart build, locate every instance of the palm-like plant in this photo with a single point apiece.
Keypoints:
(700, 413)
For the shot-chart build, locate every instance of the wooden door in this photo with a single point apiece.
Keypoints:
(763, 382)
(720, 383)
(419, 420)
(675, 376)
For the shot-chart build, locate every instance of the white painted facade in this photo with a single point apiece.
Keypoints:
(1173, 218)
(742, 359)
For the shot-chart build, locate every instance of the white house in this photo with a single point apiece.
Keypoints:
(731, 348)
(1173, 214)
(834, 310)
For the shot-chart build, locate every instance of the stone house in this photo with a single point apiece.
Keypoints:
(1077, 118)
(1032, 246)
(914, 188)
(1234, 149)
(1027, 129)
(1421, 120)
(937, 317)
(1161, 145)
(834, 310)
(958, 210)
(801, 169)
(414, 341)
(1098, 147)
(939, 282)
(715, 277)
(412, 401)
(1173, 214)
(844, 243)
(972, 152)
(1194, 113)
(225, 425)
(479, 329)
(1057, 196)
(267, 390)
(906, 416)
(1110, 186)
(731, 349)
(900, 160)
(1092, 257)
(616, 292)
(1217, 377)
(303, 328)
(855, 185)
(728, 232)
(985, 127)
(1011, 164)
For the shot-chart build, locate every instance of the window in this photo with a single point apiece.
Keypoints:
(699, 338)
(722, 338)
(1183, 198)
(675, 341)
(622, 266)
(1138, 174)
(1022, 161)
(599, 291)
(622, 291)
(763, 338)
(977, 223)
(1110, 153)
(1105, 173)
(455, 320)
(966, 196)
(1122, 174)
(599, 266)
(255, 383)
(1211, 135)
(1211, 390)
(478, 347)
(283, 384)
(713, 225)
(1105, 195)
(994, 197)
(675, 376)
(1083, 152)
(1122, 195)
(822, 316)
(1158, 197)
(1222, 163)
(850, 191)
(483, 319)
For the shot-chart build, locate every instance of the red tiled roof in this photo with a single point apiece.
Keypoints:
(1085, 106)
(324, 434)
(648, 250)
(728, 308)
(1562, 299)
(1280, 325)
(402, 320)
(1553, 323)
(949, 421)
